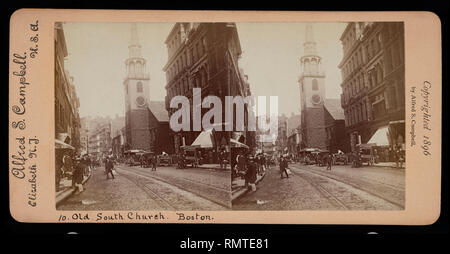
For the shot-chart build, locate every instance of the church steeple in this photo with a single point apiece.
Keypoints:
(312, 78)
(136, 64)
(309, 44)
(311, 61)
(137, 96)
(135, 47)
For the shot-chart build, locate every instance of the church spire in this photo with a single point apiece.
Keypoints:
(134, 47)
(136, 64)
(309, 44)
(309, 33)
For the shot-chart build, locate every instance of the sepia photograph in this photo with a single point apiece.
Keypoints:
(229, 116)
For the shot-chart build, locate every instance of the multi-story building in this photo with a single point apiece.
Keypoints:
(294, 133)
(100, 140)
(204, 55)
(322, 119)
(373, 77)
(67, 120)
(282, 137)
(84, 136)
(117, 143)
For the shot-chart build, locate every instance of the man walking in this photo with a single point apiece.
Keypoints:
(283, 166)
(109, 165)
(329, 161)
(250, 174)
(154, 162)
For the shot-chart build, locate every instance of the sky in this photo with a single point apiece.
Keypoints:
(270, 57)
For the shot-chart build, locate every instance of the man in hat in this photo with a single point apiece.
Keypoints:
(154, 161)
(329, 161)
(109, 165)
(250, 174)
(283, 166)
(78, 174)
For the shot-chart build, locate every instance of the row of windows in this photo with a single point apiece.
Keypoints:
(361, 57)
(356, 114)
(389, 99)
(348, 41)
(373, 46)
(187, 58)
(136, 68)
(374, 78)
(185, 85)
(394, 56)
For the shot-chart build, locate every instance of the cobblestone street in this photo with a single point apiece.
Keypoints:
(136, 188)
(315, 188)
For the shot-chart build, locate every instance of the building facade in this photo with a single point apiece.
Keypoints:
(282, 136)
(320, 116)
(204, 55)
(100, 141)
(67, 119)
(372, 78)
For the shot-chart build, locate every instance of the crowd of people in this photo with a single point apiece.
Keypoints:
(249, 166)
(74, 168)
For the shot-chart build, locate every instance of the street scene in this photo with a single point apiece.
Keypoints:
(310, 187)
(337, 153)
(144, 121)
(167, 188)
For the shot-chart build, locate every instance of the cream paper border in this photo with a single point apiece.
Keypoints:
(422, 63)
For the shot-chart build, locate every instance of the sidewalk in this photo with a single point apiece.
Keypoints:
(388, 164)
(66, 189)
(238, 186)
(214, 166)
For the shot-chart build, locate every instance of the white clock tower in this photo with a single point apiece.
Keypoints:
(312, 95)
(136, 90)
(312, 79)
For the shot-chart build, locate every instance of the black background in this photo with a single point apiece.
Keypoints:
(168, 236)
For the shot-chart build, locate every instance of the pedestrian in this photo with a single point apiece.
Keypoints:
(78, 174)
(263, 162)
(241, 163)
(154, 162)
(398, 158)
(109, 166)
(141, 161)
(283, 166)
(68, 166)
(86, 163)
(250, 174)
(329, 161)
(58, 169)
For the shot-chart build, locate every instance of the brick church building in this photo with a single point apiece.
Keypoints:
(146, 122)
(322, 120)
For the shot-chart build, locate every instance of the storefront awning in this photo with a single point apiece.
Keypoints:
(61, 145)
(63, 137)
(380, 137)
(237, 144)
(204, 140)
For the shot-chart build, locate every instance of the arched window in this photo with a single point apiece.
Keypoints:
(131, 69)
(315, 85)
(313, 65)
(306, 65)
(139, 87)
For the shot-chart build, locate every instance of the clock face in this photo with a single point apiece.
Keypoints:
(316, 99)
(140, 101)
